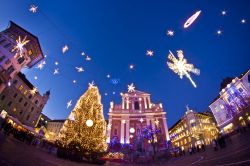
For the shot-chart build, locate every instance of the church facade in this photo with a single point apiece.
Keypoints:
(128, 119)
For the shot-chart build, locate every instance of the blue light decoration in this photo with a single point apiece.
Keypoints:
(115, 81)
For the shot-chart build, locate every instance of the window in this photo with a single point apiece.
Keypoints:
(7, 62)
(21, 112)
(20, 60)
(9, 104)
(10, 69)
(15, 82)
(2, 41)
(7, 45)
(137, 106)
(2, 58)
(248, 77)
(30, 52)
(240, 90)
(30, 96)
(3, 97)
(36, 102)
(28, 117)
(15, 95)
(20, 87)
(32, 108)
(25, 103)
(20, 100)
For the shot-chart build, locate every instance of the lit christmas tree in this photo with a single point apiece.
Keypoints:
(84, 130)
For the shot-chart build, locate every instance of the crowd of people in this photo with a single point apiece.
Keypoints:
(25, 136)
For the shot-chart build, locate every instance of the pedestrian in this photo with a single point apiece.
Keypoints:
(190, 150)
(203, 147)
(214, 144)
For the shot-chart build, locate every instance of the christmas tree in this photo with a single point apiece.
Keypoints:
(85, 127)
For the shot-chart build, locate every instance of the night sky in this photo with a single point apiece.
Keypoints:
(116, 34)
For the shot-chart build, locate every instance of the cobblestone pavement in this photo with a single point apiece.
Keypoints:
(237, 152)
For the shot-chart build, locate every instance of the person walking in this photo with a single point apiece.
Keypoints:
(214, 144)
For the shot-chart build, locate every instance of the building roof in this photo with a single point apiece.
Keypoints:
(58, 120)
(25, 80)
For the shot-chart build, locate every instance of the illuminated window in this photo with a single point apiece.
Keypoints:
(14, 109)
(30, 52)
(25, 92)
(20, 87)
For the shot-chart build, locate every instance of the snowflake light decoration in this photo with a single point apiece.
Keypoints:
(19, 45)
(88, 58)
(170, 33)
(56, 71)
(131, 88)
(69, 104)
(150, 53)
(41, 65)
(33, 8)
(181, 67)
(79, 69)
(33, 91)
(65, 49)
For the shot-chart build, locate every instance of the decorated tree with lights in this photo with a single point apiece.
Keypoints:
(84, 130)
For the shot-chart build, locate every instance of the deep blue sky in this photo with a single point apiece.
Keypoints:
(118, 33)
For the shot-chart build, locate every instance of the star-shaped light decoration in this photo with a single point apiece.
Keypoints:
(20, 44)
(88, 58)
(131, 88)
(141, 120)
(181, 67)
(69, 104)
(79, 69)
(41, 65)
(56, 71)
(65, 49)
(33, 8)
(150, 53)
(170, 33)
(33, 91)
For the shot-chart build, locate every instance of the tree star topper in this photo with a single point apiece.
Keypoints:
(131, 88)
(181, 67)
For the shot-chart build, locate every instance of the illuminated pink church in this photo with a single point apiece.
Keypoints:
(128, 119)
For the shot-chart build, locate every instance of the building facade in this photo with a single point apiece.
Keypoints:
(15, 53)
(22, 101)
(193, 129)
(42, 121)
(128, 119)
(231, 108)
(53, 128)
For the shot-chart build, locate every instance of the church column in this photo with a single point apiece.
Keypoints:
(148, 121)
(122, 132)
(145, 103)
(166, 128)
(109, 130)
(127, 130)
(123, 103)
(153, 123)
